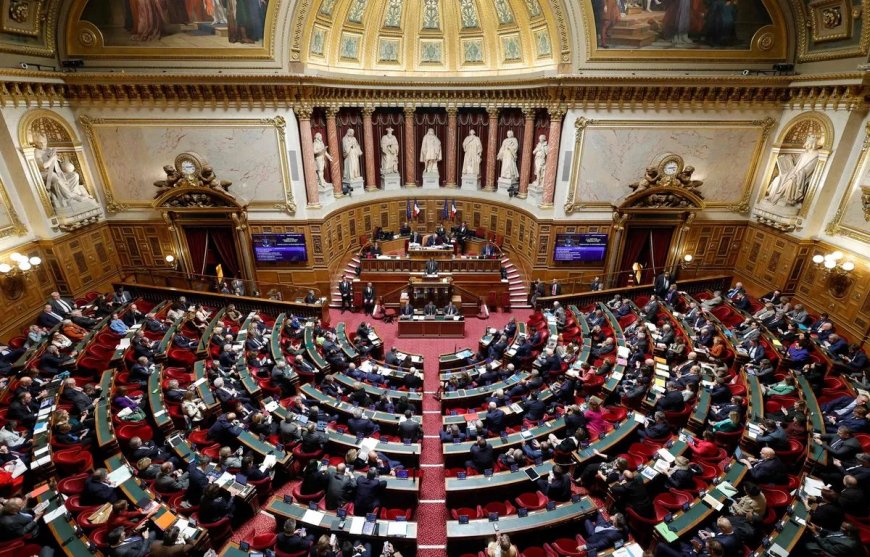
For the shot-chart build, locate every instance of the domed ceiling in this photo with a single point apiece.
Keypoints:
(433, 36)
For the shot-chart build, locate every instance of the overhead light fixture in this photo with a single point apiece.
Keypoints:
(837, 272)
(20, 264)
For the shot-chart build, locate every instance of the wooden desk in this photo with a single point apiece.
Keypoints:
(106, 440)
(470, 396)
(311, 350)
(205, 340)
(432, 328)
(483, 528)
(204, 389)
(385, 420)
(415, 398)
(161, 417)
(344, 342)
(63, 530)
(791, 532)
(514, 439)
(817, 453)
(166, 341)
(327, 520)
(455, 360)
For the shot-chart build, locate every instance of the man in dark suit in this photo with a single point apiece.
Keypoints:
(360, 425)
(555, 288)
(345, 288)
(133, 316)
(842, 445)
(407, 310)
(451, 309)
(60, 305)
(368, 493)
(430, 309)
(482, 455)
(431, 267)
(768, 469)
(392, 357)
(23, 410)
(197, 479)
(415, 238)
(410, 428)
(462, 234)
(631, 493)
(368, 298)
(495, 419)
(140, 371)
(97, 491)
(16, 522)
(339, 487)
(76, 395)
(225, 430)
(672, 401)
(48, 318)
(556, 486)
(534, 409)
(662, 284)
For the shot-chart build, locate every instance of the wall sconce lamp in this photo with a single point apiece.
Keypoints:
(687, 261)
(171, 261)
(837, 272)
(21, 264)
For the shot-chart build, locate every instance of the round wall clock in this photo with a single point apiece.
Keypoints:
(189, 164)
(671, 165)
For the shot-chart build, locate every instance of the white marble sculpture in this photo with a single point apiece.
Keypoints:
(321, 155)
(430, 152)
(389, 153)
(540, 153)
(473, 150)
(790, 186)
(352, 152)
(62, 182)
(508, 157)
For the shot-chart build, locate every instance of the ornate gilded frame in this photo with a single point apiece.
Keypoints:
(769, 44)
(836, 226)
(15, 227)
(84, 39)
(47, 25)
(779, 148)
(765, 126)
(115, 205)
(803, 28)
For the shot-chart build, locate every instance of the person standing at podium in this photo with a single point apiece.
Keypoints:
(451, 309)
(430, 309)
(431, 267)
(369, 298)
(441, 234)
(415, 238)
(407, 310)
(462, 235)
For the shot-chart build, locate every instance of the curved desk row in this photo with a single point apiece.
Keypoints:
(484, 528)
(382, 418)
(511, 440)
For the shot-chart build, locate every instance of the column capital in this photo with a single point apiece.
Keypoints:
(530, 113)
(331, 111)
(368, 110)
(493, 111)
(304, 111)
(557, 112)
(409, 110)
(452, 110)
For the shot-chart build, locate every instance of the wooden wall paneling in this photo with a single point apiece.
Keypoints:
(21, 301)
(714, 246)
(83, 260)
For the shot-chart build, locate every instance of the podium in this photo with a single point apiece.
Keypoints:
(422, 290)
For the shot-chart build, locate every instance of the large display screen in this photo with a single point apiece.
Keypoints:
(583, 248)
(280, 248)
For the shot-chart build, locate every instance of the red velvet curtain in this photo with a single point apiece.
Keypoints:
(197, 243)
(647, 246)
(221, 240)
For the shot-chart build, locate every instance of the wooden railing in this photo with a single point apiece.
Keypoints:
(209, 283)
(692, 286)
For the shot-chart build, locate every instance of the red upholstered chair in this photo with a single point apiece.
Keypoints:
(264, 489)
(534, 551)
(642, 450)
(174, 503)
(728, 439)
(127, 432)
(470, 512)
(181, 357)
(73, 461)
(218, 532)
(776, 498)
(99, 537)
(794, 453)
(72, 503)
(264, 541)
(72, 485)
(393, 514)
(532, 501)
(199, 437)
(84, 521)
(502, 508)
(614, 414)
(297, 496)
(16, 548)
(641, 527)
(567, 547)
(302, 457)
(634, 461)
(279, 553)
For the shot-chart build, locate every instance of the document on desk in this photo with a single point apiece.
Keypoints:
(712, 502)
(665, 455)
(630, 550)
(726, 488)
(396, 528)
(55, 514)
(665, 532)
(119, 476)
(813, 487)
(313, 517)
(777, 550)
(356, 525)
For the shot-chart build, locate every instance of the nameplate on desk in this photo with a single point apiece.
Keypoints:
(712, 502)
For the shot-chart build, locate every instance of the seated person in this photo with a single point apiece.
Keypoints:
(603, 534)
(768, 469)
(98, 490)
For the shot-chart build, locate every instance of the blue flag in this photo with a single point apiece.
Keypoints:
(408, 209)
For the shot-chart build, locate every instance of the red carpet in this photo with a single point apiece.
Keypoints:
(431, 513)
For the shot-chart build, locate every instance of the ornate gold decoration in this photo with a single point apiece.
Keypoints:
(865, 201)
(189, 170)
(619, 220)
(22, 17)
(667, 185)
(15, 226)
(836, 226)
(580, 125)
(804, 24)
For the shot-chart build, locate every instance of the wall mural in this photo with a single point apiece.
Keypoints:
(183, 24)
(680, 27)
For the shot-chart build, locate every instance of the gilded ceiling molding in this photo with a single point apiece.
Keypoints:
(47, 13)
(803, 25)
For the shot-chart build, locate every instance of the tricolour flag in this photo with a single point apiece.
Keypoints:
(416, 209)
(453, 209)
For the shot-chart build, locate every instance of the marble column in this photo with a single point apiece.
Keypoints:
(410, 149)
(451, 147)
(334, 150)
(526, 163)
(308, 164)
(556, 115)
(369, 148)
(491, 148)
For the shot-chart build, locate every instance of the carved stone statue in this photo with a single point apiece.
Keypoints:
(321, 155)
(540, 153)
(62, 182)
(48, 161)
(650, 179)
(430, 152)
(352, 152)
(473, 149)
(389, 153)
(790, 186)
(508, 157)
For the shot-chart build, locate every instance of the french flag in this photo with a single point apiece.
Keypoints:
(416, 209)
(453, 209)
